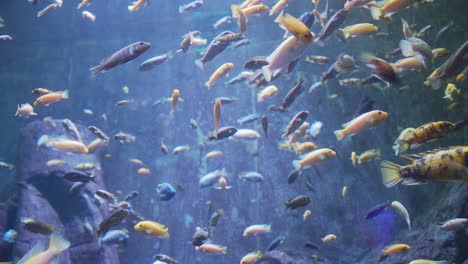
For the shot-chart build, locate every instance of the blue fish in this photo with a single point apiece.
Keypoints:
(166, 191)
(10, 236)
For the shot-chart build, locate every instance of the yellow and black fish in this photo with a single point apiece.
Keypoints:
(448, 164)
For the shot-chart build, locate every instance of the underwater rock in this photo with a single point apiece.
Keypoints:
(44, 195)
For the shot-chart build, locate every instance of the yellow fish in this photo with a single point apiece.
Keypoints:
(295, 27)
(37, 255)
(152, 228)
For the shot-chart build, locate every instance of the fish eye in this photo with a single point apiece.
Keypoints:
(380, 112)
(307, 35)
(141, 43)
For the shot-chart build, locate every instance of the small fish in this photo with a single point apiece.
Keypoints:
(47, 9)
(364, 121)
(10, 236)
(353, 158)
(295, 27)
(190, 6)
(214, 219)
(361, 29)
(41, 91)
(393, 249)
(78, 176)
(293, 175)
(137, 5)
(264, 121)
(83, 4)
(152, 228)
(88, 16)
(71, 129)
(377, 210)
(220, 72)
(255, 230)
(65, 145)
(313, 157)
(98, 133)
(36, 226)
(55, 162)
(25, 111)
(240, 77)
(442, 32)
(193, 124)
(114, 237)
(143, 171)
(175, 98)
(85, 166)
(291, 96)
(216, 116)
(242, 18)
(131, 196)
(106, 195)
(356, 3)
(165, 259)
(454, 224)
(256, 63)
(200, 236)
(402, 211)
(279, 6)
(115, 218)
(329, 238)
(154, 61)
(332, 25)
(251, 176)
(217, 45)
(165, 191)
(248, 119)
(211, 178)
(212, 248)
(267, 92)
(124, 137)
(226, 100)
(451, 92)
(224, 132)
(381, 68)
(427, 261)
(50, 98)
(306, 215)
(344, 191)
(121, 56)
(275, 243)
(295, 123)
(164, 149)
(297, 202)
(222, 21)
(316, 59)
(315, 128)
(76, 187)
(251, 257)
(94, 145)
(368, 155)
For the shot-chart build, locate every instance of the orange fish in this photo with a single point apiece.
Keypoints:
(366, 120)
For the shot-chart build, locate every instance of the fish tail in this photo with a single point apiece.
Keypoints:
(17, 110)
(65, 94)
(207, 84)
(461, 124)
(376, 13)
(340, 134)
(296, 164)
(132, 8)
(390, 173)
(96, 70)
(342, 34)
(235, 10)
(199, 64)
(280, 18)
(166, 235)
(267, 73)
(224, 250)
(58, 244)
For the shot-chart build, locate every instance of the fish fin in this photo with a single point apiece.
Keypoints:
(340, 134)
(342, 34)
(267, 73)
(17, 110)
(406, 48)
(461, 124)
(390, 173)
(410, 157)
(38, 248)
(416, 145)
(411, 181)
(58, 243)
(199, 64)
(296, 164)
(207, 84)
(65, 94)
(96, 70)
(376, 13)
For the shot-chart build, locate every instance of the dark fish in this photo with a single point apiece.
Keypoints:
(164, 149)
(455, 64)
(258, 79)
(186, 43)
(98, 133)
(292, 65)
(71, 129)
(193, 124)
(376, 210)
(329, 74)
(78, 176)
(214, 219)
(200, 236)
(332, 25)
(248, 119)
(217, 45)
(365, 106)
(106, 195)
(292, 94)
(131, 196)
(124, 137)
(115, 218)
(382, 68)
(296, 122)
(223, 133)
(153, 62)
(35, 226)
(240, 77)
(165, 191)
(241, 43)
(307, 18)
(264, 121)
(298, 201)
(226, 100)
(275, 243)
(256, 63)
(311, 245)
(442, 32)
(293, 175)
(124, 55)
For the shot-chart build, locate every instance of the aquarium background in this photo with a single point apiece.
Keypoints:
(57, 50)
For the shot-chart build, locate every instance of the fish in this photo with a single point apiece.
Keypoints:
(293, 175)
(185, 43)
(407, 32)
(121, 56)
(41, 91)
(222, 21)
(87, 166)
(193, 123)
(329, 238)
(267, 92)
(291, 96)
(389, 8)
(242, 18)
(50, 98)
(316, 59)
(9, 236)
(224, 132)
(275, 243)
(124, 137)
(311, 245)
(356, 3)
(255, 230)
(223, 184)
(368, 155)
(214, 218)
(393, 249)
(288, 51)
(417, 47)
(165, 259)
(36, 226)
(344, 191)
(257, 9)
(76, 187)
(196, 4)
(454, 224)
(98, 133)
(297, 202)
(5, 37)
(246, 134)
(451, 92)
(256, 63)
(295, 27)
(427, 261)
(377, 210)
(71, 129)
(151, 63)
(165, 191)
(251, 257)
(211, 178)
(175, 98)
(47, 9)
(113, 219)
(55, 162)
(152, 228)
(164, 149)
(331, 26)
(94, 145)
(442, 32)
(211, 248)
(78, 176)
(226, 100)
(315, 128)
(248, 119)
(38, 254)
(83, 4)
(106, 195)
(364, 121)
(447, 164)
(306, 215)
(279, 6)
(424, 31)
(216, 116)
(240, 77)
(264, 122)
(25, 111)
(88, 16)
(200, 236)
(295, 123)
(114, 237)
(220, 72)
(180, 149)
(213, 154)
(361, 29)
(251, 176)
(136, 5)
(381, 68)
(313, 157)
(218, 45)
(402, 211)
(65, 145)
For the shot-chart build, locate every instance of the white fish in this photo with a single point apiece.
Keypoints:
(211, 178)
(246, 134)
(402, 211)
